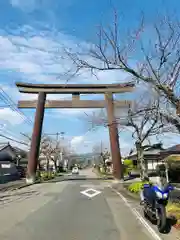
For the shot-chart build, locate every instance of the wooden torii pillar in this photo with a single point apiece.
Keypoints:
(75, 89)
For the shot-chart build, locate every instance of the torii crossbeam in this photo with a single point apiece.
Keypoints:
(76, 90)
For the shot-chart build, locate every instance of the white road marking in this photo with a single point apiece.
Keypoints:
(90, 195)
(138, 216)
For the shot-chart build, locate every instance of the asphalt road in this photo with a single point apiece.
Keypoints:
(61, 211)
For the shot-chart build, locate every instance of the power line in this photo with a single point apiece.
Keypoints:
(7, 99)
(13, 108)
(13, 140)
(9, 132)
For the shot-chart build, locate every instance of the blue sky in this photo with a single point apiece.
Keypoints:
(32, 33)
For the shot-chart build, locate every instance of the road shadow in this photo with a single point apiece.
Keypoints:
(171, 221)
(137, 175)
(78, 178)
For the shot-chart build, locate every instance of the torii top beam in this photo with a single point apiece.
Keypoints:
(75, 88)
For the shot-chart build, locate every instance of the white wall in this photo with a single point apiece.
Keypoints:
(152, 165)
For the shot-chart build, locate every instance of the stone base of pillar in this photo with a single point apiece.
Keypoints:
(30, 180)
(116, 181)
(117, 184)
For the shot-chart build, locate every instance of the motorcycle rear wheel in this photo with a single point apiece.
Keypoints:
(161, 219)
(145, 214)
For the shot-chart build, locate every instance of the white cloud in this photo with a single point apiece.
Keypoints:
(32, 56)
(76, 141)
(10, 116)
(31, 5)
(28, 5)
(39, 56)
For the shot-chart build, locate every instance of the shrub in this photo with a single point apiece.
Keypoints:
(102, 170)
(128, 162)
(136, 187)
(173, 209)
(128, 166)
(44, 176)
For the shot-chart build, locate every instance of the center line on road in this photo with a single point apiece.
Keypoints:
(138, 216)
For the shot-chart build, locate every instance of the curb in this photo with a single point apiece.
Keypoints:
(127, 193)
(10, 188)
(15, 187)
(20, 187)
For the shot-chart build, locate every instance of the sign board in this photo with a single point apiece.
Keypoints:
(5, 165)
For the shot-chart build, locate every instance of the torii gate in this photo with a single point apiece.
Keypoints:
(75, 89)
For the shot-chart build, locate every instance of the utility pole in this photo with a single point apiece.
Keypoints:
(57, 136)
(62, 150)
(101, 147)
(53, 134)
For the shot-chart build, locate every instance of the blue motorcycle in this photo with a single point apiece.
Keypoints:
(155, 200)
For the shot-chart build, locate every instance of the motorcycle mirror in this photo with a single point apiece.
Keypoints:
(170, 188)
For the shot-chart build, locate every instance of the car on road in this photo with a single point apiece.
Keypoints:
(75, 170)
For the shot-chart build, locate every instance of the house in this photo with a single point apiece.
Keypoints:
(12, 169)
(8, 170)
(152, 156)
(19, 156)
(155, 154)
(174, 150)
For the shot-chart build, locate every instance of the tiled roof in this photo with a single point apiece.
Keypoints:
(2, 146)
(175, 148)
(18, 150)
(15, 149)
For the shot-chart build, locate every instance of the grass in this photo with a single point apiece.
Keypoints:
(173, 210)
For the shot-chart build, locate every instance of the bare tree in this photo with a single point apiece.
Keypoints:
(49, 149)
(101, 155)
(159, 61)
(43, 146)
(143, 121)
(144, 124)
(169, 118)
(172, 120)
